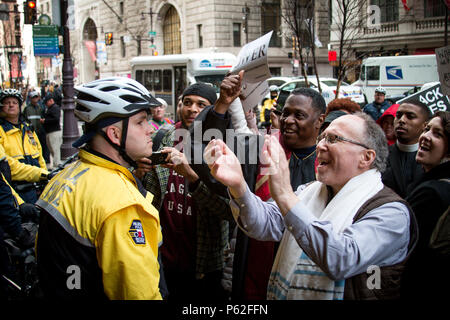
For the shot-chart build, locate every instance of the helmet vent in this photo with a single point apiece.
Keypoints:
(131, 99)
(90, 98)
(110, 88)
(82, 108)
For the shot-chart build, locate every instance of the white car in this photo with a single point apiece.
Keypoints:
(278, 81)
(328, 86)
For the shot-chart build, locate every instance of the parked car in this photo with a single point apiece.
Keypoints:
(278, 81)
(328, 86)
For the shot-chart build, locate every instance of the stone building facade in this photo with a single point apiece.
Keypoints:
(182, 26)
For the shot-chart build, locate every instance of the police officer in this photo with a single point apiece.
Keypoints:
(97, 221)
(21, 144)
(379, 104)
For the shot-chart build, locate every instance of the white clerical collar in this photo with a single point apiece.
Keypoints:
(408, 147)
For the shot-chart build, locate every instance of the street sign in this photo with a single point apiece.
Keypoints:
(152, 33)
(45, 40)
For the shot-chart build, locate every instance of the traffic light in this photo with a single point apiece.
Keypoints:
(109, 38)
(29, 12)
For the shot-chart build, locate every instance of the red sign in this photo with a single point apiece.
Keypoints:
(332, 56)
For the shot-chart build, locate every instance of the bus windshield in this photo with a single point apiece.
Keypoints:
(214, 79)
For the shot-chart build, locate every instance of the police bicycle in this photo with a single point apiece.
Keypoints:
(21, 281)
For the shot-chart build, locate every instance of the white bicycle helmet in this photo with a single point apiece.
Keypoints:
(105, 101)
(111, 97)
(381, 90)
(273, 88)
(11, 93)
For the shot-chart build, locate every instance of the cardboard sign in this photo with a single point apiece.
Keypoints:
(432, 97)
(443, 65)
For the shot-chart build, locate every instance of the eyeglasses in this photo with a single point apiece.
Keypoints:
(333, 138)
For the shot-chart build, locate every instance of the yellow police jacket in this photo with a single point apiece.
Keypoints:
(23, 151)
(268, 104)
(100, 209)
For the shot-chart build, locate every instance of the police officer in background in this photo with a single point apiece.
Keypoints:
(112, 240)
(33, 113)
(21, 144)
(379, 104)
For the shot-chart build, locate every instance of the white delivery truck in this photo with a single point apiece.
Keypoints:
(167, 76)
(396, 74)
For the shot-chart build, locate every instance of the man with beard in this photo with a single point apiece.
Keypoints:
(300, 121)
(402, 168)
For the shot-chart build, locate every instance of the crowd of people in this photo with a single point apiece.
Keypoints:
(327, 202)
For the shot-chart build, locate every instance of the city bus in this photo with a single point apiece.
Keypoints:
(167, 76)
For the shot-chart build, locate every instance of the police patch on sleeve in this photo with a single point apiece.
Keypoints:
(137, 232)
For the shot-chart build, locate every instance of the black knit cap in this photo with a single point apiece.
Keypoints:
(201, 89)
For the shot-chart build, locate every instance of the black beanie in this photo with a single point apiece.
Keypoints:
(201, 89)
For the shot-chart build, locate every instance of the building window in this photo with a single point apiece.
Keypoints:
(123, 47)
(271, 20)
(171, 31)
(434, 8)
(275, 72)
(200, 36)
(388, 8)
(236, 34)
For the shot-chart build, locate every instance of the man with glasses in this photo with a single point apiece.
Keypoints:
(345, 236)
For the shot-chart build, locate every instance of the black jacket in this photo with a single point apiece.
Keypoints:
(52, 117)
(427, 272)
(402, 170)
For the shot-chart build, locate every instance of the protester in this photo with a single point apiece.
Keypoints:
(379, 105)
(158, 118)
(333, 230)
(427, 270)
(300, 121)
(386, 122)
(402, 168)
(97, 221)
(33, 113)
(21, 144)
(193, 219)
(52, 126)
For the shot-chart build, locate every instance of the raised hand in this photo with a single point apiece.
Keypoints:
(230, 89)
(177, 161)
(225, 167)
(277, 167)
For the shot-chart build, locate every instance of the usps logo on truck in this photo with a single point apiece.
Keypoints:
(394, 73)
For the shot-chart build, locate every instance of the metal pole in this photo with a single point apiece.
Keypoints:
(70, 124)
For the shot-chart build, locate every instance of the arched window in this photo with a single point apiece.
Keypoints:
(171, 30)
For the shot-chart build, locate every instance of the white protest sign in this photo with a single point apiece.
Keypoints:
(253, 60)
(443, 65)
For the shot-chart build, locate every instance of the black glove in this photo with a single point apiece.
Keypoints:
(26, 239)
(29, 212)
